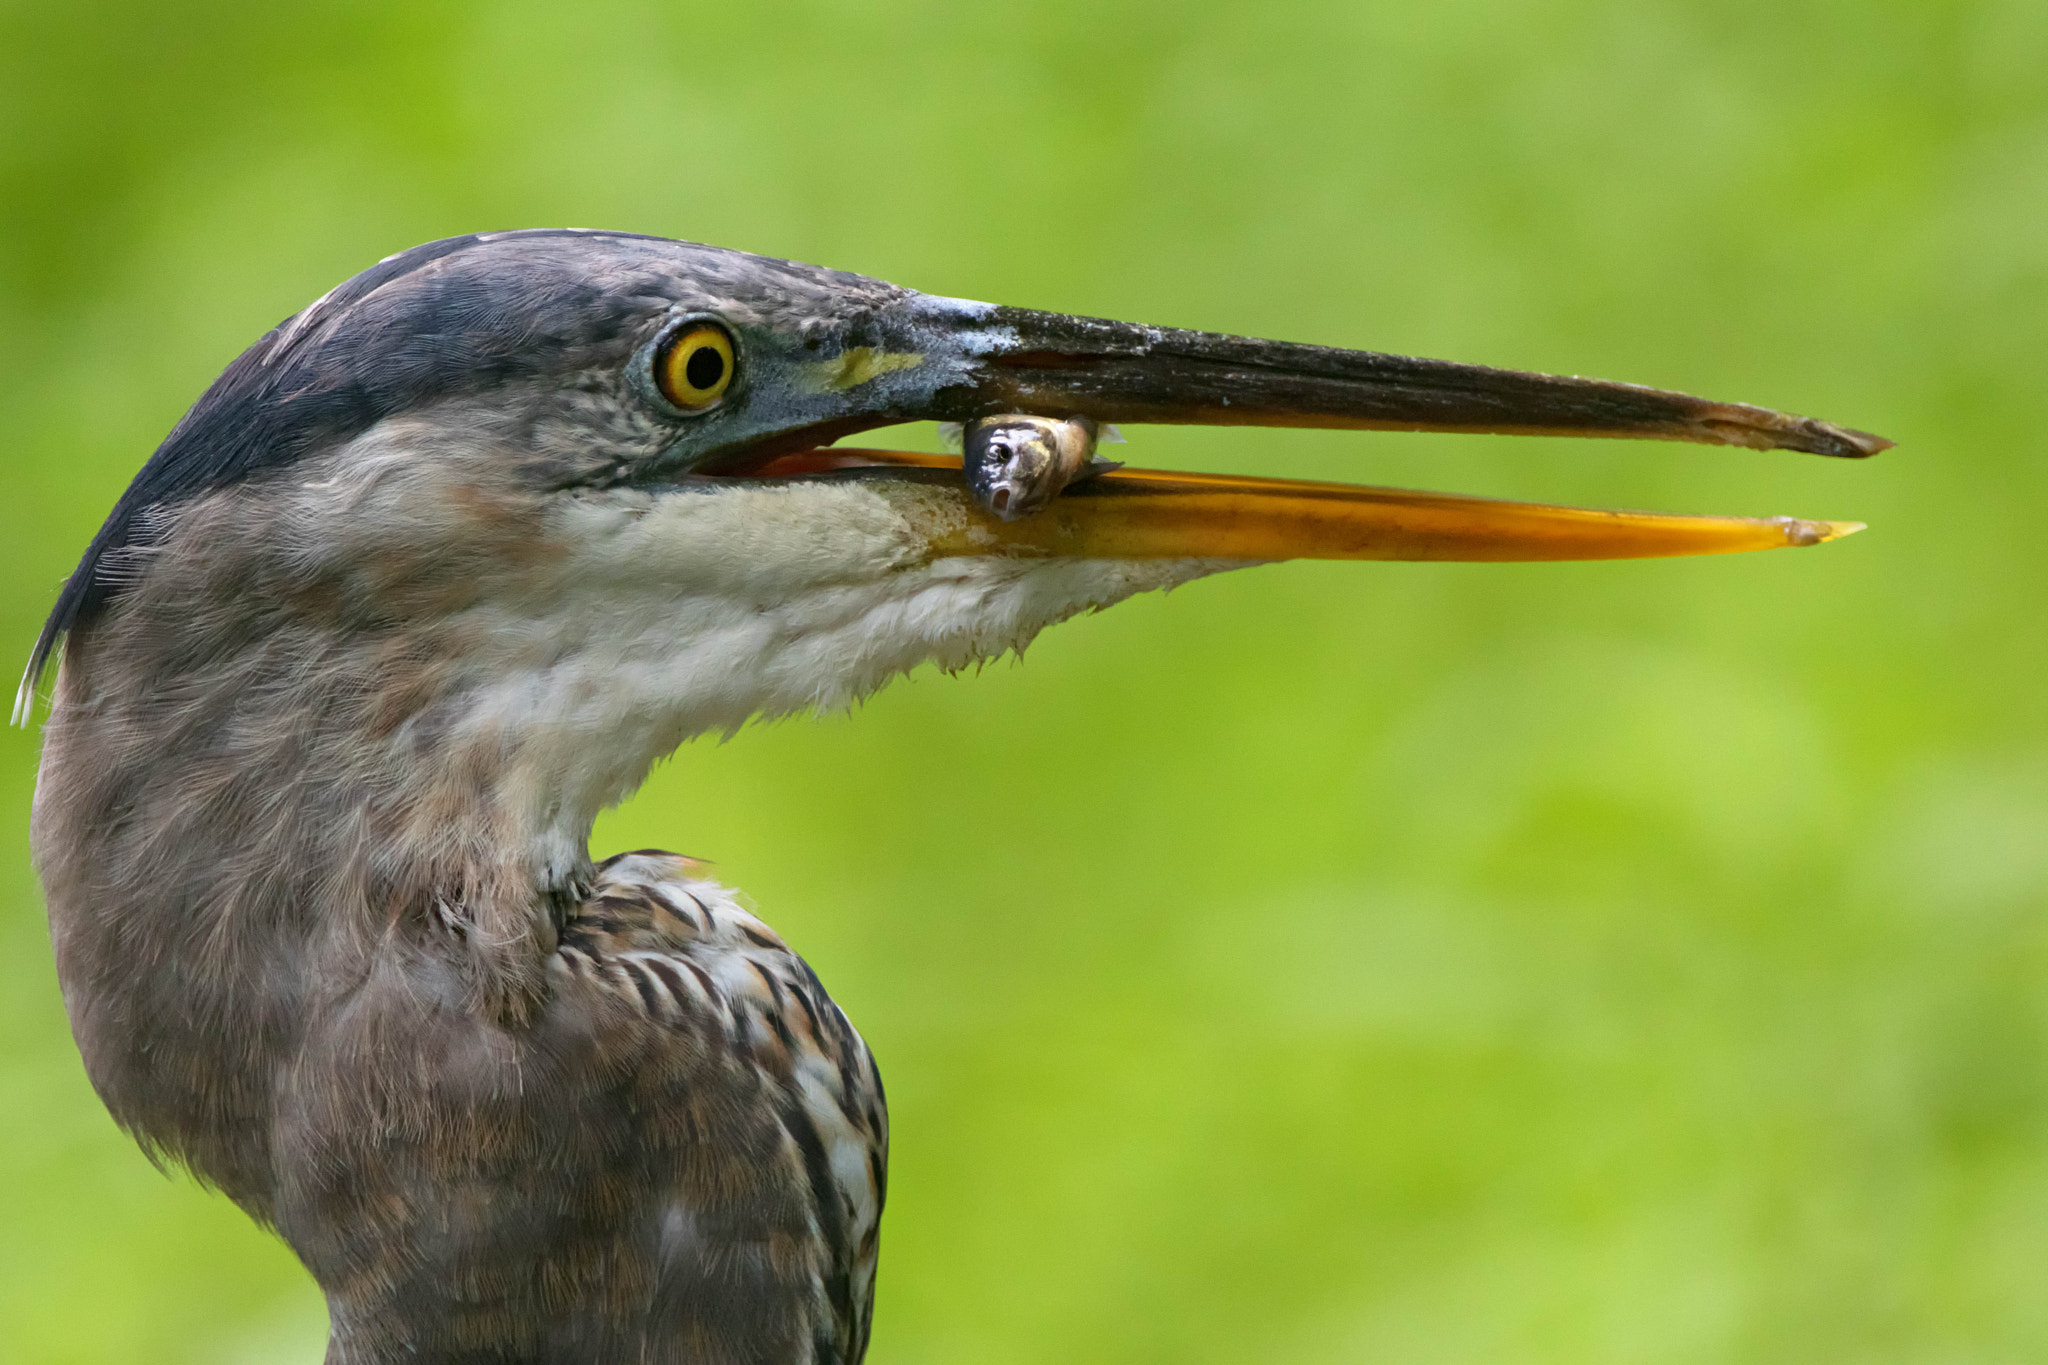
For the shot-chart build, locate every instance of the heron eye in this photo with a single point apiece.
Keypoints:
(695, 367)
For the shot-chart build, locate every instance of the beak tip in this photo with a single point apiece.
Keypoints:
(1845, 443)
(1799, 531)
(1763, 429)
(1864, 444)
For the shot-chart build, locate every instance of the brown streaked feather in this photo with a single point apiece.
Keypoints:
(652, 1164)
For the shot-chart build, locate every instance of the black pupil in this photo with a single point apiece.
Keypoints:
(704, 368)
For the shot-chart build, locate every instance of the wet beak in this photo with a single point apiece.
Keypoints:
(1158, 514)
(975, 364)
(1052, 363)
(1062, 366)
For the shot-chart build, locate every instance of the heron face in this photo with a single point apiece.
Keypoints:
(564, 485)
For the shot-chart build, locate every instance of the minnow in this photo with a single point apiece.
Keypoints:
(1016, 463)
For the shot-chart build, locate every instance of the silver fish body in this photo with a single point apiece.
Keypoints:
(1016, 463)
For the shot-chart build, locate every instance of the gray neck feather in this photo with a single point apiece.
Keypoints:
(252, 783)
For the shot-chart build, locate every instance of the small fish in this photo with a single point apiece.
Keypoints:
(1016, 463)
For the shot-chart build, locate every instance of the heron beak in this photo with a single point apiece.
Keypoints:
(1160, 514)
(1009, 360)
(949, 361)
(1053, 363)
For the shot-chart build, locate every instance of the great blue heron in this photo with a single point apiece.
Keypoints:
(436, 570)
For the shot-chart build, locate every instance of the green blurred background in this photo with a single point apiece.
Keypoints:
(1391, 963)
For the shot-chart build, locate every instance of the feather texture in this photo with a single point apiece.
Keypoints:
(682, 1159)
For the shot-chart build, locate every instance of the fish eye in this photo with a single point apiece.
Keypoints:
(695, 367)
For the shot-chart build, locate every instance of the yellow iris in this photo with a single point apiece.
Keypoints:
(696, 366)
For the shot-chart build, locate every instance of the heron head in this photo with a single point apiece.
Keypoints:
(537, 506)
